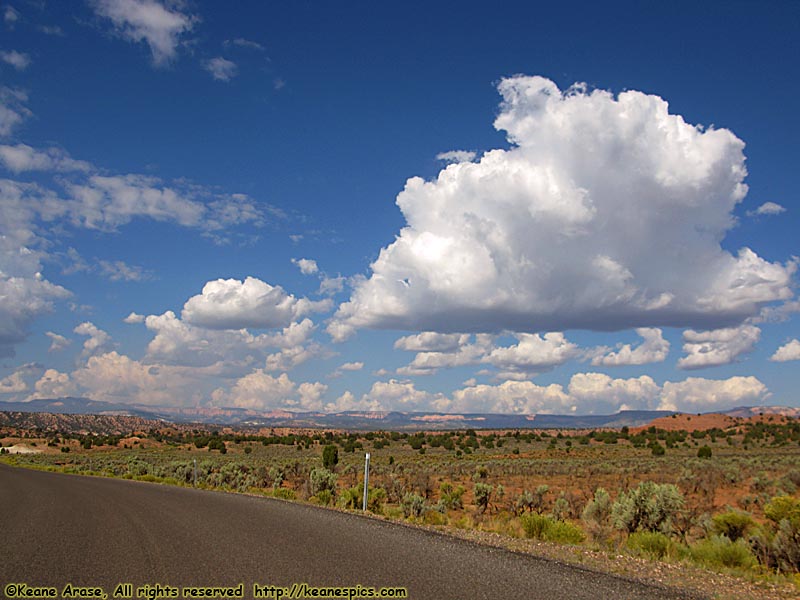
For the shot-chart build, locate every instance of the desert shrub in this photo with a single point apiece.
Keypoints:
(330, 456)
(786, 545)
(782, 507)
(451, 497)
(481, 472)
(719, 551)
(376, 497)
(650, 543)
(535, 525)
(323, 497)
(322, 480)
(284, 493)
(542, 527)
(597, 515)
(564, 532)
(649, 507)
(704, 452)
(351, 497)
(483, 494)
(413, 505)
(561, 509)
(733, 524)
(524, 502)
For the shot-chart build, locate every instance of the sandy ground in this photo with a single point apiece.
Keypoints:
(22, 449)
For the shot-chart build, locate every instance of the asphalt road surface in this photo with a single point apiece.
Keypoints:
(57, 529)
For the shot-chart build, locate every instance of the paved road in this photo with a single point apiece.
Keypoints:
(58, 528)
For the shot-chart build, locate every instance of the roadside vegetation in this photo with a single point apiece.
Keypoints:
(723, 499)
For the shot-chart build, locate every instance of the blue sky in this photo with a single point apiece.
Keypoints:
(358, 206)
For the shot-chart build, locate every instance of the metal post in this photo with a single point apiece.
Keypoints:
(194, 473)
(366, 482)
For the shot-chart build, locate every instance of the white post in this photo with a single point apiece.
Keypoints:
(366, 482)
(194, 473)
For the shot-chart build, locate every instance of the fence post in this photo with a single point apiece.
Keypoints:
(366, 482)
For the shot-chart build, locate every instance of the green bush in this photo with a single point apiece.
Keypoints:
(284, 493)
(351, 497)
(733, 524)
(597, 515)
(483, 494)
(649, 543)
(535, 525)
(782, 507)
(719, 551)
(704, 452)
(451, 497)
(323, 497)
(322, 480)
(649, 507)
(330, 456)
(413, 505)
(564, 532)
(541, 527)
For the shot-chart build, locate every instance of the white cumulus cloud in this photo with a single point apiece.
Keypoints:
(456, 156)
(307, 266)
(654, 348)
(22, 157)
(147, 21)
(19, 60)
(789, 351)
(235, 304)
(221, 69)
(768, 208)
(717, 347)
(606, 213)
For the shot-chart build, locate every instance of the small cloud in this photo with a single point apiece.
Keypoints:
(278, 84)
(221, 69)
(243, 43)
(147, 21)
(10, 16)
(51, 30)
(768, 208)
(307, 266)
(133, 318)
(19, 60)
(118, 270)
(456, 156)
(789, 351)
(57, 342)
(296, 237)
(352, 366)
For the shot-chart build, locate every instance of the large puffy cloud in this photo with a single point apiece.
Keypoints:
(606, 213)
(597, 393)
(704, 395)
(654, 348)
(177, 342)
(147, 21)
(261, 391)
(54, 384)
(717, 347)
(430, 341)
(531, 355)
(234, 304)
(24, 299)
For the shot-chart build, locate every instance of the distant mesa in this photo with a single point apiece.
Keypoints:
(392, 420)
